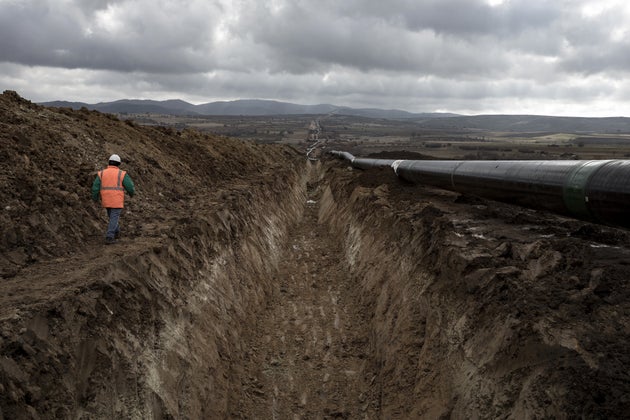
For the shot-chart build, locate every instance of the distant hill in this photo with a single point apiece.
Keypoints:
(529, 124)
(132, 106)
(429, 121)
(261, 107)
(248, 107)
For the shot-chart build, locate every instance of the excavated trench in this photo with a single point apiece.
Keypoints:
(331, 293)
(155, 328)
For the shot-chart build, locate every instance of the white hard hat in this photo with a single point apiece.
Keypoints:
(115, 158)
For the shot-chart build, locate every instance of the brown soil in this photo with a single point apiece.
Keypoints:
(251, 283)
(306, 356)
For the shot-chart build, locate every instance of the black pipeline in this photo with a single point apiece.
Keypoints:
(594, 190)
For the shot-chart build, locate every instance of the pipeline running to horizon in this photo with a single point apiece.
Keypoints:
(592, 190)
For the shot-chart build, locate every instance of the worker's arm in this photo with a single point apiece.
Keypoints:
(128, 185)
(96, 188)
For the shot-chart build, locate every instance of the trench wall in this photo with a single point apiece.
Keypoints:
(156, 334)
(461, 329)
(393, 279)
(458, 328)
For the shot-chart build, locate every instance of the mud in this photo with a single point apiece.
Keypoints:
(251, 283)
(307, 354)
(484, 310)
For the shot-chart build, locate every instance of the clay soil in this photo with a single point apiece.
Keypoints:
(251, 283)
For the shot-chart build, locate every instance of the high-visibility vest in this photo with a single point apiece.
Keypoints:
(112, 191)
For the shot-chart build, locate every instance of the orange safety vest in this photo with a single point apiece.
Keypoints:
(112, 191)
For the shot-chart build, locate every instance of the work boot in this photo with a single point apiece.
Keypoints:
(110, 241)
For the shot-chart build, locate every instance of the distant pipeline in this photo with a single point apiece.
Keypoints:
(592, 190)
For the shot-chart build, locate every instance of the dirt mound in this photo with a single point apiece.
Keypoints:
(50, 158)
(89, 331)
(482, 309)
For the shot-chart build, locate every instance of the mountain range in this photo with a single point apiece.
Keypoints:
(246, 107)
(427, 120)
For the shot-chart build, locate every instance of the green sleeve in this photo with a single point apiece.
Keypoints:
(128, 185)
(96, 188)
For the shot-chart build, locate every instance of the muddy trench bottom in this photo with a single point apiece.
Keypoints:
(306, 357)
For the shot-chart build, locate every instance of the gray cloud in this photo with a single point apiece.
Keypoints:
(114, 35)
(457, 55)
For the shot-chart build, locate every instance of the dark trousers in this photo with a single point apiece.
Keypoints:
(113, 229)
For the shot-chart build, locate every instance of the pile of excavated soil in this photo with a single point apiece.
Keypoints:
(251, 283)
(148, 327)
(482, 309)
(50, 158)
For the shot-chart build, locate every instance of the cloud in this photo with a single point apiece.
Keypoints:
(458, 55)
(154, 36)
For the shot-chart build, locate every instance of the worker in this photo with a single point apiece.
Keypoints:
(110, 185)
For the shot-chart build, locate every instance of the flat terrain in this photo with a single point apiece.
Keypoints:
(364, 136)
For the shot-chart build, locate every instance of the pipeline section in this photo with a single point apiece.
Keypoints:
(593, 190)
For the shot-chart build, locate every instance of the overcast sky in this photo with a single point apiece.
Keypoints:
(556, 57)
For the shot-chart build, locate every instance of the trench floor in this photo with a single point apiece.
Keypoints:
(307, 356)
